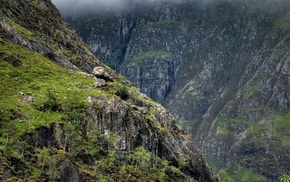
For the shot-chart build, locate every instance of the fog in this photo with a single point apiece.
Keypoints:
(76, 6)
(68, 7)
(66, 4)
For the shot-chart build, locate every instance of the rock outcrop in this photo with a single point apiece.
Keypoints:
(100, 73)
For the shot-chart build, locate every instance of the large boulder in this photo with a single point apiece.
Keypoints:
(101, 73)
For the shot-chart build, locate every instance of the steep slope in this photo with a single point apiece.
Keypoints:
(59, 123)
(222, 69)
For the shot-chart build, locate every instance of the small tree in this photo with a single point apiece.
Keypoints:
(112, 157)
(52, 168)
(141, 158)
(43, 157)
(51, 102)
(181, 161)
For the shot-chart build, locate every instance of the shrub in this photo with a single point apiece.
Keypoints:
(122, 92)
(285, 178)
(51, 102)
(141, 158)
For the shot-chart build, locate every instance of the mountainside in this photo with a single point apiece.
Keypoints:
(221, 68)
(64, 116)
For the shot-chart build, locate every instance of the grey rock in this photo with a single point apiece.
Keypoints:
(100, 72)
(99, 82)
(69, 173)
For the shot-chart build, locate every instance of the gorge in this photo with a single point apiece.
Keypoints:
(220, 67)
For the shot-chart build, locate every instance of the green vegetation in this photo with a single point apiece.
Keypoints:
(138, 99)
(223, 177)
(181, 161)
(40, 93)
(185, 124)
(253, 90)
(152, 55)
(272, 131)
(26, 34)
(252, 27)
(276, 127)
(281, 124)
(122, 91)
(45, 117)
(265, 9)
(284, 178)
(140, 157)
(192, 91)
(222, 126)
(239, 173)
(37, 92)
(137, 165)
(284, 24)
(47, 162)
(225, 126)
(39, 78)
(164, 24)
(160, 168)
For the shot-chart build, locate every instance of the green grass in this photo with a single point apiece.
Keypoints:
(224, 124)
(281, 123)
(271, 129)
(164, 24)
(264, 8)
(28, 35)
(242, 174)
(52, 87)
(212, 162)
(253, 89)
(222, 127)
(276, 127)
(284, 24)
(37, 77)
(152, 55)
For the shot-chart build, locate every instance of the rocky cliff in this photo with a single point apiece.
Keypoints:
(220, 67)
(64, 116)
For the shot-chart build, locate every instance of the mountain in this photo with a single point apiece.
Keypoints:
(220, 67)
(65, 116)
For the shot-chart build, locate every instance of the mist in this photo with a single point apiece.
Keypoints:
(77, 7)
(67, 4)
(74, 8)
(85, 6)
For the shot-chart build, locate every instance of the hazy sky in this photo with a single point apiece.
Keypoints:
(72, 5)
(77, 6)
(61, 3)
(82, 6)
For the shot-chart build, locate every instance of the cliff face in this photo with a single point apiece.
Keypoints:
(221, 68)
(59, 123)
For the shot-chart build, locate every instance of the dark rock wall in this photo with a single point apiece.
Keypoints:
(114, 116)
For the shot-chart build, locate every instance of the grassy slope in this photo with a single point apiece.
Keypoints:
(36, 92)
(35, 78)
